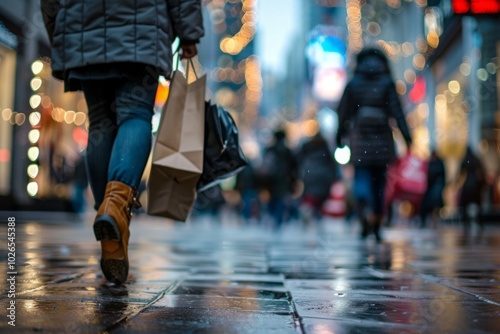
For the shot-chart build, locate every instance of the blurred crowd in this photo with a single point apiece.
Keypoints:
(306, 183)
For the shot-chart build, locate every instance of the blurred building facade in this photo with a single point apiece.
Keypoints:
(229, 56)
(462, 70)
(42, 130)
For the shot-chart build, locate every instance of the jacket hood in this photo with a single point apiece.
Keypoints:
(372, 62)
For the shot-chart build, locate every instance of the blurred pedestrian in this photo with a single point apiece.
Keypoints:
(368, 102)
(209, 202)
(248, 187)
(471, 181)
(432, 201)
(115, 54)
(317, 171)
(279, 176)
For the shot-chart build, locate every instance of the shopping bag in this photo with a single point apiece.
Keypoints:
(222, 156)
(412, 175)
(177, 162)
(406, 180)
(335, 205)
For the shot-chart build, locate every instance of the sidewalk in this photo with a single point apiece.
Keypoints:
(201, 278)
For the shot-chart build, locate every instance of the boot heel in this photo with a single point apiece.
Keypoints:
(105, 228)
(116, 271)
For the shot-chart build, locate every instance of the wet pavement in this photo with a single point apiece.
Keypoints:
(208, 278)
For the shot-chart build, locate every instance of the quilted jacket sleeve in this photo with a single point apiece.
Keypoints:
(397, 112)
(49, 11)
(187, 20)
(345, 112)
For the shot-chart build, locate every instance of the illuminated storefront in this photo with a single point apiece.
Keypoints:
(57, 137)
(8, 117)
(463, 81)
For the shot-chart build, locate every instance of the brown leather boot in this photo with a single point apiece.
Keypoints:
(111, 227)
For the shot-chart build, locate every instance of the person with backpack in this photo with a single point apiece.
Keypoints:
(368, 102)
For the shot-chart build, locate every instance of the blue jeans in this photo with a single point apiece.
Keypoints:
(120, 114)
(369, 186)
(277, 209)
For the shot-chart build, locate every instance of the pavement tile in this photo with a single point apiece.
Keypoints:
(231, 291)
(444, 315)
(381, 285)
(343, 326)
(98, 291)
(203, 320)
(249, 304)
(262, 281)
(68, 316)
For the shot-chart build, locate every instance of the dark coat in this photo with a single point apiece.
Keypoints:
(247, 179)
(436, 181)
(371, 88)
(475, 180)
(88, 32)
(317, 168)
(278, 174)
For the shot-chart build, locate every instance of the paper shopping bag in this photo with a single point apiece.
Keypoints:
(178, 150)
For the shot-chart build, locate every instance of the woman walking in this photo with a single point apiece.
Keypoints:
(368, 102)
(115, 54)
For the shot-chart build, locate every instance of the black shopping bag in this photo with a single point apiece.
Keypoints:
(222, 155)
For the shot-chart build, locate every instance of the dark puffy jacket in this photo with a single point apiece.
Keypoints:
(371, 88)
(279, 170)
(87, 32)
(317, 167)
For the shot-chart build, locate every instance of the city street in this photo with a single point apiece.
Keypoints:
(228, 278)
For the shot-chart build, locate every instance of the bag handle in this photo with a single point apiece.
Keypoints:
(189, 63)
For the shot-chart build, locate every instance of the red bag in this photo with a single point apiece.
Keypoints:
(335, 205)
(406, 180)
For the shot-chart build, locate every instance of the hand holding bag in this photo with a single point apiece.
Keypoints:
(178, 150)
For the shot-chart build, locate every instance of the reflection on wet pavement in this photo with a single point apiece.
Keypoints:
(236, 279)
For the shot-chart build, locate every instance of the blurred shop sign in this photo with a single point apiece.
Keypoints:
(326, 55)
(417, 93)
(467, 7)
(7, 38)
(472, 7)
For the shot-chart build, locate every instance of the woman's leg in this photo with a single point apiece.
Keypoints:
(378, 187)
(132, 146)
(362, 195)
(102, 132)
(134, 102)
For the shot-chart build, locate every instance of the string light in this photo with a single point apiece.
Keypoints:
(354, 30)
(253, 93)
(246, 72)
(235, 44)
(33, 153)
(34, 135)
